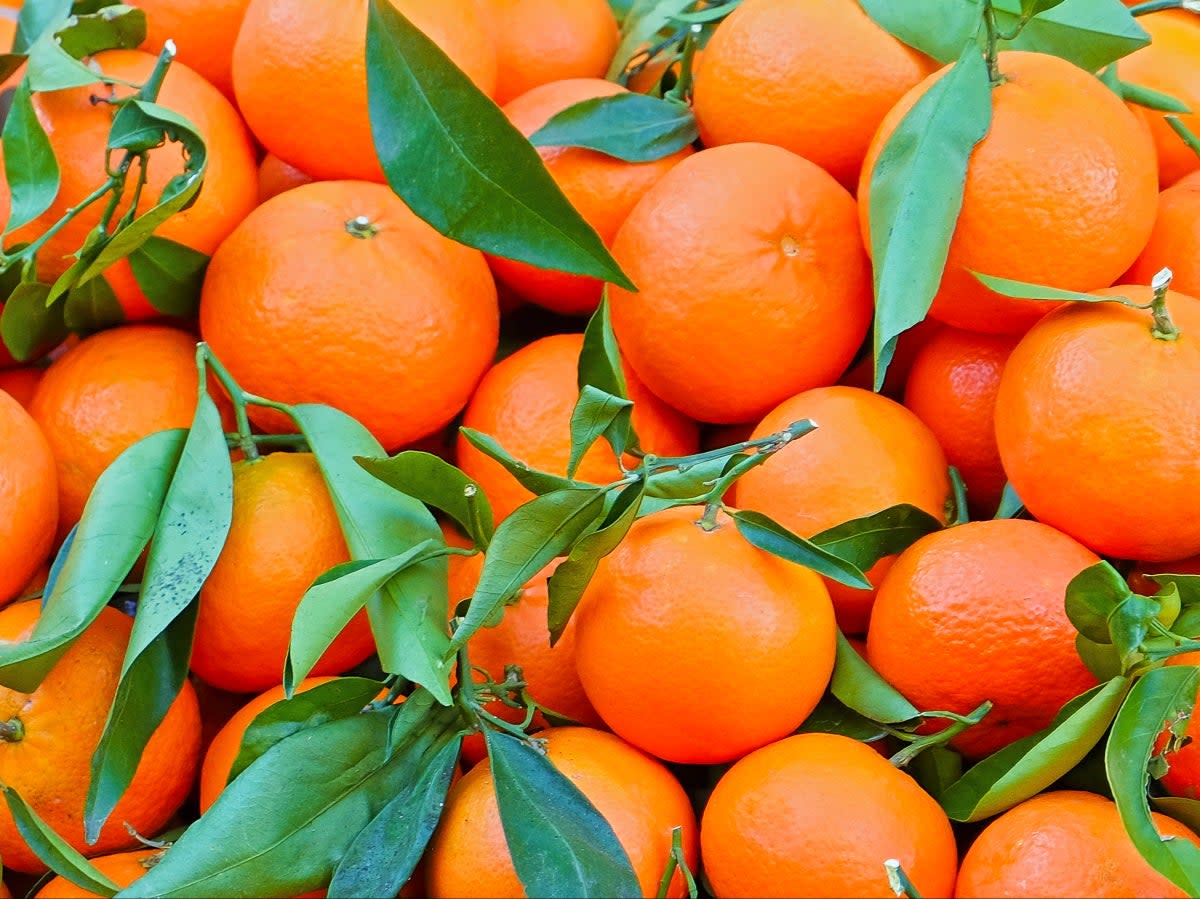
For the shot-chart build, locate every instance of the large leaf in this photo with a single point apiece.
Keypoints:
(631, 127)
(28, 328)
(858, 687)
(30, 168)
(864, 541)
(455, 159)
(769, 536)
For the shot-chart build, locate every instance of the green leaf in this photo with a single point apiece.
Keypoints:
(455, 159)
(916, 195)
(831, 717)
(109, 28)
(600, 358)
(1089, 33)
(1031, 8)
(1185, 811)
(28, 328)
(857, 686)
(531, 479)
(1011, 505)
(1142, 95)
(627, 126)
(645, 19)
(688, 482)
(769, 536)
(1129, 624)
(30, 168)
(169, 274)
(1030, 765)
(864, 541)
(53, 850)
(36, 18)
(437, 483)
(1092, 596)
(1158, 697)
(935, 769)
(92, 306)
(598, 414)
(116, 525)
(561, 846)
(1023, 290)
(1188, 586)
(51, 68)
(938, 28)
(408, 617)
(526, 541)
(1102, 659)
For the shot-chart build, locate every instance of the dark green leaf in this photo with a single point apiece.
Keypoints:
(1188, 586)
(1102, 659)
(169, 274)
(598, 414)
(35, 18)
(1028, 766)
(1186, 811)
(916, 195)
(769, 536)
(1129, 625)
(631, 127)
(117, 523)
(92, 306)
(857, 686)
(864, 541)
(1159, 697)
(531, 479)
(28, 328)
(936, 769)
(455, 159)
(1092, 595)
(600, 358)
(109, 28)
(30, 168)
(831, 717)
(561, 846)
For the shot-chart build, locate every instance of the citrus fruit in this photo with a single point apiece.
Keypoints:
(28, 498)
(1175, 241)
(20, 383)
(753, 283)
(204, 32)
(275, 176)
(122, 868)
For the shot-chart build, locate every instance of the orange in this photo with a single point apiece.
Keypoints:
(677, 605)
(753, 282)
(300, 75)
(813, 76)
(981, 605)
(1175, 240)
(1060, 192)
(275, 176)
(539, 41)
(602, 188)
(49, 737)
(1095, 420)
(867, 454)
(105, 394)
(1170, 63)
(335, 293)
(818, 815)
(952, 388)
(122, 868)
(79, 127)
(21, 383)
(525, 402)
(1064, 843)
(639, 797)
(285, 534)
(203, 31)
(28, 498)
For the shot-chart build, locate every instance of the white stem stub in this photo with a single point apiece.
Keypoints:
(1162, 280)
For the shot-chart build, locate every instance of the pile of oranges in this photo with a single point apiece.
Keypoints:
(695, 585)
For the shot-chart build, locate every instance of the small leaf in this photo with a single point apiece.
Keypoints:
(831, 717)
(598, 414)
(1101, 659)
(30, 168)
(935, 769)
(36, 18)
(1023, 290)
(1011, 505)
(688, 482)
(864, 541)
(1188, 586)
(51, 68)
(857, 686)
(600, 358)
(769, 536)
(531, 479)
(1092, 596)
(92, 306)
(561, 846)
(627, 126)
(115, 27)
(645, 19)
(455, 159)
(28, 328)
(1129, 624)
(169, 274)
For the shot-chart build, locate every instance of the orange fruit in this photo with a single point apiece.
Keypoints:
(20, 383)
(122, 868)
(300, 75)
(1175, 240)
(539, 41)
(525, 402)
(637, 795)
(1064, 843)
(813, 76)
(675, 604)
(79, 127)
(285, 533)
(867, 454)
(753, 282)
(952, 388)
(981, 604)
(1060, 192)
(28, 498)
(275, 176)
(107, 393)
(1095, 420)
(204, 32)
(49, 737)
(602, 188)
(334, 292)
(818, 815)
(1170, 63)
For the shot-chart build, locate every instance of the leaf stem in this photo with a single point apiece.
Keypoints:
(284, 441)
(898, 880)
(772, 443)
(1143, 9)
(245, 436)
(1185, 133)
(920, 744)
(30, 250)
(12, 731)
(676, 862)
(682, 91)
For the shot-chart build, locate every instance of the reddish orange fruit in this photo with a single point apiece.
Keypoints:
(275, 176)
(21, 383)
(28, 498)
(1175, 241)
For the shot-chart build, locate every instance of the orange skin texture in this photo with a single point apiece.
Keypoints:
(105, 394)
(204, 32)
(1062, 191)
(1170, 63)
(20, 383)
(78, 131)
(702, 605)
(867, 454)
(952, 388)
(1064, 843)
(982, 605)
(122, 868)
(638, 796)
(51, 766)
(817, 815)
(525, 403)
(28, 498)
(285, 533)
(1175, 240)
(766, 290)
(777, 71)
(1056, 402)
(275, 176)
(394, 329)
(603, 189)
(539, 41)
(300, 75)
